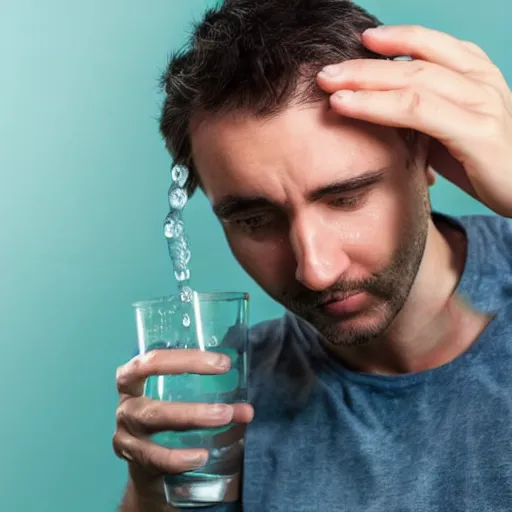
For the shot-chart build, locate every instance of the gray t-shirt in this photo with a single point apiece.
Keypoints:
(328, 439)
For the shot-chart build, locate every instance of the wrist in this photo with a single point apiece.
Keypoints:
(144, 493)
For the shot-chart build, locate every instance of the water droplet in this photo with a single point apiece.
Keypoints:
(186, 320)
(180, 253)
(182, 275)
(213, 342)
(177, 198)
(215, 453)
(179, 174)
(182, 258)
(186, 294)
(173, 227)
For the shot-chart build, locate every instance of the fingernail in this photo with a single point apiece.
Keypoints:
(126, 456)
(375, 29)
(220, 361)
(195, 459)
(221, 410)
(330, 71)
(344, 95)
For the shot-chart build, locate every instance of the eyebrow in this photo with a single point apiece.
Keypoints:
(230, 205)
(349, 185)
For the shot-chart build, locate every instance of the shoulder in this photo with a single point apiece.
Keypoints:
(491, 233)
(487, 277)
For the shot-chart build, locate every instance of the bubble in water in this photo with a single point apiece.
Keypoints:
(186, 320)
(185, 256)
(181, 259)
(180, 253)
(177, 198)
(182, 275)
(213, 342)
(179, 174)
(186, 294)
(173, 227)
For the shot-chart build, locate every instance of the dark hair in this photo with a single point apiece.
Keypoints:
(256, 55)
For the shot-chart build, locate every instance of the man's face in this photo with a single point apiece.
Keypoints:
(317, 208)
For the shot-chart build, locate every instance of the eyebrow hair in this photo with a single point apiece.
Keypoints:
(349, 185)
(231, 205)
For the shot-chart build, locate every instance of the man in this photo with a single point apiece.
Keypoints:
(387, 386)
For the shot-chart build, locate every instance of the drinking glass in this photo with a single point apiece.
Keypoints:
(216, 322)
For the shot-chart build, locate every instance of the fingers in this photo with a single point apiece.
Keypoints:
(384, 75)
(427, 112)
(155, 459)
(143, 416)
(441, 160)
(427, 44)
(139, 417)
(130, 377)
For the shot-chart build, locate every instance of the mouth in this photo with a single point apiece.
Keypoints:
(338, 298)
(344, 305)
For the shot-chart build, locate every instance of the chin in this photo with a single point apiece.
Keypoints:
(357, 329)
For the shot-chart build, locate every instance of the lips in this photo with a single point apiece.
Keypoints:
(345, 305)
(338, 298)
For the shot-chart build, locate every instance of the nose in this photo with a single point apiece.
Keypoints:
(318, 249)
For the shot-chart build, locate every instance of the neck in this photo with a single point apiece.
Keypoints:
(435, 326)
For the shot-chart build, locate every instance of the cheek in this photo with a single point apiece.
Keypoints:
(270, 263)
(369, 236)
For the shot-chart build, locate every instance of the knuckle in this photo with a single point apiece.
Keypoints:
(473, 47)
(410, 101)
(116, 443)
(148, 358)
(490, 127)
(139, 367)
(132, 451)
(119, 372)
(148, 363)
(155, 459)
(121, 377)
(494, 95)
(416, 70)
(413, 31)
(120, 445)
(148, 414)
(498, 75)
(143, 457)
(122, 414)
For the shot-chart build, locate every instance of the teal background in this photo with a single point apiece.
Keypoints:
(84, 178)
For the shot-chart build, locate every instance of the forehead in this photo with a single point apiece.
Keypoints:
(297, 150)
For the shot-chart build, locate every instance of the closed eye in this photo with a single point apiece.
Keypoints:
(253, 223)
(349, 201)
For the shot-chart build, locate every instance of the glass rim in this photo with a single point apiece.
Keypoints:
(203, 297)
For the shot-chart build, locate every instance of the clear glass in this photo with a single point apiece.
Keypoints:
(219, 323)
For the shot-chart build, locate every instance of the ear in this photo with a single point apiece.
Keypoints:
(431, 176)
(424, 143)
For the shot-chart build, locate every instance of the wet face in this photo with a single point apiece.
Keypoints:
(328, 215)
